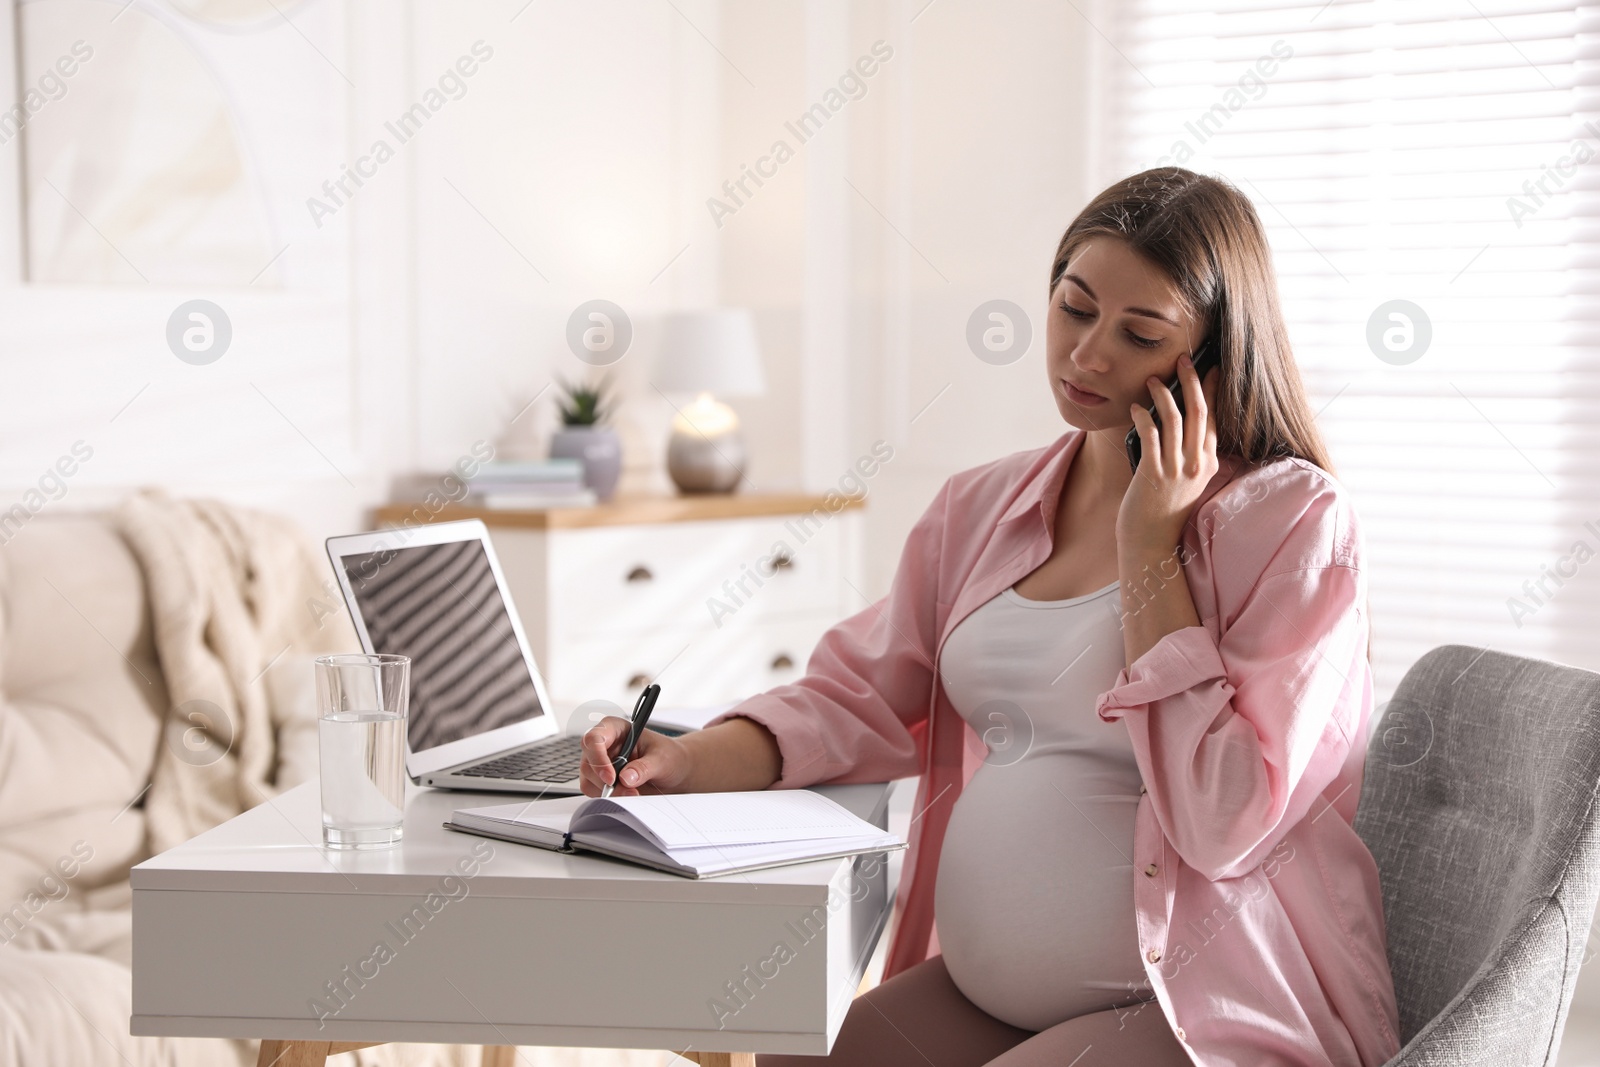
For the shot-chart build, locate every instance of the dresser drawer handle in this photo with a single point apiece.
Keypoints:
(782, 662)
(638, 681)
(782, 561)
(640, 574)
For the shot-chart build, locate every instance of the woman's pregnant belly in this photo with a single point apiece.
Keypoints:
(1034, 898)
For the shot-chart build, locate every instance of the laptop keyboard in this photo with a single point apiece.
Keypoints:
(554, 761)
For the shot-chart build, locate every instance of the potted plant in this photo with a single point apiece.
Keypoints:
(584, 406)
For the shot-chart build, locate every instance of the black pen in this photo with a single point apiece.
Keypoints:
(641, 715)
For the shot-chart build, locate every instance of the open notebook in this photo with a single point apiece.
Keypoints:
(698, 835)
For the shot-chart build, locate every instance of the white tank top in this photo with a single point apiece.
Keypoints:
(1034, 897)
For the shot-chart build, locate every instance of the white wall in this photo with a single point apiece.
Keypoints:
(578, 165)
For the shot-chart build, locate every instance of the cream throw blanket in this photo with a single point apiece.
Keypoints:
(239, 607)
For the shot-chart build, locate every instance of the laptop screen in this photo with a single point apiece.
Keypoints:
(439, 605)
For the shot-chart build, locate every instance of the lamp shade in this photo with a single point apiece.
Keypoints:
(711, 351)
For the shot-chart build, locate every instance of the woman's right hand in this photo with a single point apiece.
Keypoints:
(659, 762)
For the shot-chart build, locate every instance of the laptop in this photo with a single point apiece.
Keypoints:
(479, 714)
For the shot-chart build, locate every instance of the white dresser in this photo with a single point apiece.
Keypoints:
(715, 598)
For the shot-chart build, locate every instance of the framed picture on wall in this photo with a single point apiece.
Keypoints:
(172, 142)
(158, 156)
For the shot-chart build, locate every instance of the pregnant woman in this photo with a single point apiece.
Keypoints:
(1137, 699)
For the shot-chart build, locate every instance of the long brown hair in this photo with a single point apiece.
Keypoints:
(1204, 234)
(1206, 237)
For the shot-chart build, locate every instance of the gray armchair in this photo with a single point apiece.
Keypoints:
(1479, 805)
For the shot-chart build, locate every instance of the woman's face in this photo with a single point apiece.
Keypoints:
(1114, 320)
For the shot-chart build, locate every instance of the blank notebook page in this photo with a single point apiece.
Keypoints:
(699, 820)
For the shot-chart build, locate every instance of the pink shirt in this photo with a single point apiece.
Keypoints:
(1257, 907)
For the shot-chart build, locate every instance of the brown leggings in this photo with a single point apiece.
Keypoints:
(919, 1018)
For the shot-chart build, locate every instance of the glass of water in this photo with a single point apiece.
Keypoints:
(362, 701)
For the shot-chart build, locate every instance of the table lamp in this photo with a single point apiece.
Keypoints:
(706, 353)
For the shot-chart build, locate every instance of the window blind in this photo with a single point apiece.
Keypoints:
(1427, 151)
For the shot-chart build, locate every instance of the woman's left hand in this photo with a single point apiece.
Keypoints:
(1175, 466)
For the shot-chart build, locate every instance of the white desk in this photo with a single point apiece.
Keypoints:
(237, 932)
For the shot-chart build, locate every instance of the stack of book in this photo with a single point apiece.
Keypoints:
(545, 483)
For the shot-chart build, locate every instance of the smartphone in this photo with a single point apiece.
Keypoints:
(1205, 357)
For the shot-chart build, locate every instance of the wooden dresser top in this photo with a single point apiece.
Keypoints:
(628, 510)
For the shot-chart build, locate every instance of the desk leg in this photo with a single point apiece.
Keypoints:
(305, 1053)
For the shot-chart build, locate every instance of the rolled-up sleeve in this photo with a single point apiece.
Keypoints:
(859, 712)
(1237, 737)
(1180, 660)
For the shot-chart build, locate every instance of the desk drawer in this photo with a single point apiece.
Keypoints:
(629, 579)
(702, 666)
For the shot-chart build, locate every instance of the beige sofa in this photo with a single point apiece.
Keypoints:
(86, 736)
